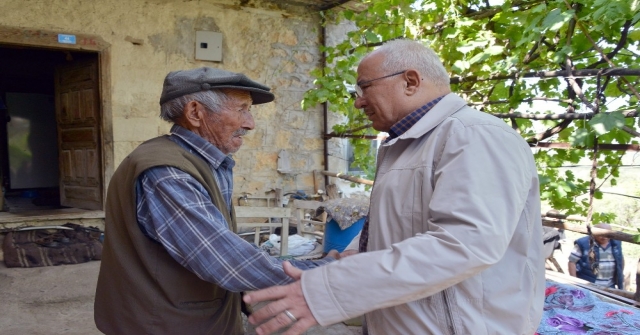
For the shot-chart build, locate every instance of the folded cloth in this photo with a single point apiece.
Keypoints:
(346, 211)
(298, 245)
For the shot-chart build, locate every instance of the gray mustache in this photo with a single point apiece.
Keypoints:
(240, 132)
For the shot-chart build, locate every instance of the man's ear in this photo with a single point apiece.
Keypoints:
(192, 115)
(414, 80)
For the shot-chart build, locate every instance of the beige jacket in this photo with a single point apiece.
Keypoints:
(455, 234)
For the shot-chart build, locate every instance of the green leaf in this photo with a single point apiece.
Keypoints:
(556, 19)
(371, 37)
(479, 57)
(461, 66)
(604, 122)
(634, 35)
(539, 8)
(581, 137)
(348, 14)
(466, 48)
(450, 32)
(495, 50)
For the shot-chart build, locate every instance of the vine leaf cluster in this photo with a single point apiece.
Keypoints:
(534, 63)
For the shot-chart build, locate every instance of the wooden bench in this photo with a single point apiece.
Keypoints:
(269, 213)
(302, 206)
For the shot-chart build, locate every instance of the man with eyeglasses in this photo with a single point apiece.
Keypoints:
(453, 241)
(172, 263)
(598, 259)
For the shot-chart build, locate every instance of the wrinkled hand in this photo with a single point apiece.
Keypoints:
(290, 298)
(348, 253)
(339, 255)
(334, 254)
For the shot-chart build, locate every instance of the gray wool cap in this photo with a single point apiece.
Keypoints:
(179, 83)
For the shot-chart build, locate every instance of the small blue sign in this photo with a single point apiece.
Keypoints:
(66, 39)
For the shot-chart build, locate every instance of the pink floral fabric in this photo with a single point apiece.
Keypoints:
(573, 310)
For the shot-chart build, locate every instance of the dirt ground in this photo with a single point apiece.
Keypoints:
(48, 300)
(56, 300)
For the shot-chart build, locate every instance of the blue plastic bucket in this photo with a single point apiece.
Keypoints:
(338, 239)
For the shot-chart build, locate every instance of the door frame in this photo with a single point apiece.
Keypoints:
(48, 40)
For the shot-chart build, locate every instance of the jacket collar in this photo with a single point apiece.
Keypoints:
(450, 104)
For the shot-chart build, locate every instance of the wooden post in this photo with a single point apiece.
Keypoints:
(332, 191)
(315, 181)
(279, 197)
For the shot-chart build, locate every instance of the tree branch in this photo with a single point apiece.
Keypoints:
(595, 45)
(495, 102)
(621, 43)
(551, 74)
(629, 113)
(488, 12)
(550, 132)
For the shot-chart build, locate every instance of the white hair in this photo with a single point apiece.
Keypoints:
(403, 54)
(214, 100)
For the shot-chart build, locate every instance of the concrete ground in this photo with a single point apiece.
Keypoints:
(59, 300)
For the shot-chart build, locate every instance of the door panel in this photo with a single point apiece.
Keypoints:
(77, 112)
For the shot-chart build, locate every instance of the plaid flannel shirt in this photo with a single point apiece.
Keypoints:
(175, 210)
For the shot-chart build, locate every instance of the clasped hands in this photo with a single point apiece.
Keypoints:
(288, 307)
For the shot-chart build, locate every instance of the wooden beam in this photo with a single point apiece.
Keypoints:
(348, 177)
(48, 38)
(616, 235)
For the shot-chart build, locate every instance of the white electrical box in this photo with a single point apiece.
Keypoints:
(209, 46)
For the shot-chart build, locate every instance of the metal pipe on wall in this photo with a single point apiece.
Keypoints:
(325, 109)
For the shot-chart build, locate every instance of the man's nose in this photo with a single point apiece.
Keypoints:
(249, 123)
(359, 103)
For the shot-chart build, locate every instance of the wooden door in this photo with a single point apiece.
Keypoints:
(79, 140)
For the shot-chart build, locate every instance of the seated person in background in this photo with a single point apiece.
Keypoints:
(607, 266)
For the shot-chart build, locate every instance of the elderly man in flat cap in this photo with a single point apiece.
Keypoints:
(172, 263)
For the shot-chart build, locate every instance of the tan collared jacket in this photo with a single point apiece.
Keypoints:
(455, 236)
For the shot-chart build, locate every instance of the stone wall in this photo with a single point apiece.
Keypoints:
(274, 45)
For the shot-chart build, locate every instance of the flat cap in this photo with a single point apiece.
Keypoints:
(179, 83)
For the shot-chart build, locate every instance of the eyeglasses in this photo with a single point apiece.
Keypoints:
(359, 92)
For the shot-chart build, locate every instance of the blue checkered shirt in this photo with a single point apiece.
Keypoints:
(408, 121)
(175, 210)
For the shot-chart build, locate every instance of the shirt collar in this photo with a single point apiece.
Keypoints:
(202, 147)
(410, 120)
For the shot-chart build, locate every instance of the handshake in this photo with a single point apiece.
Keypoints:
(287, 307)
(339, 255)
